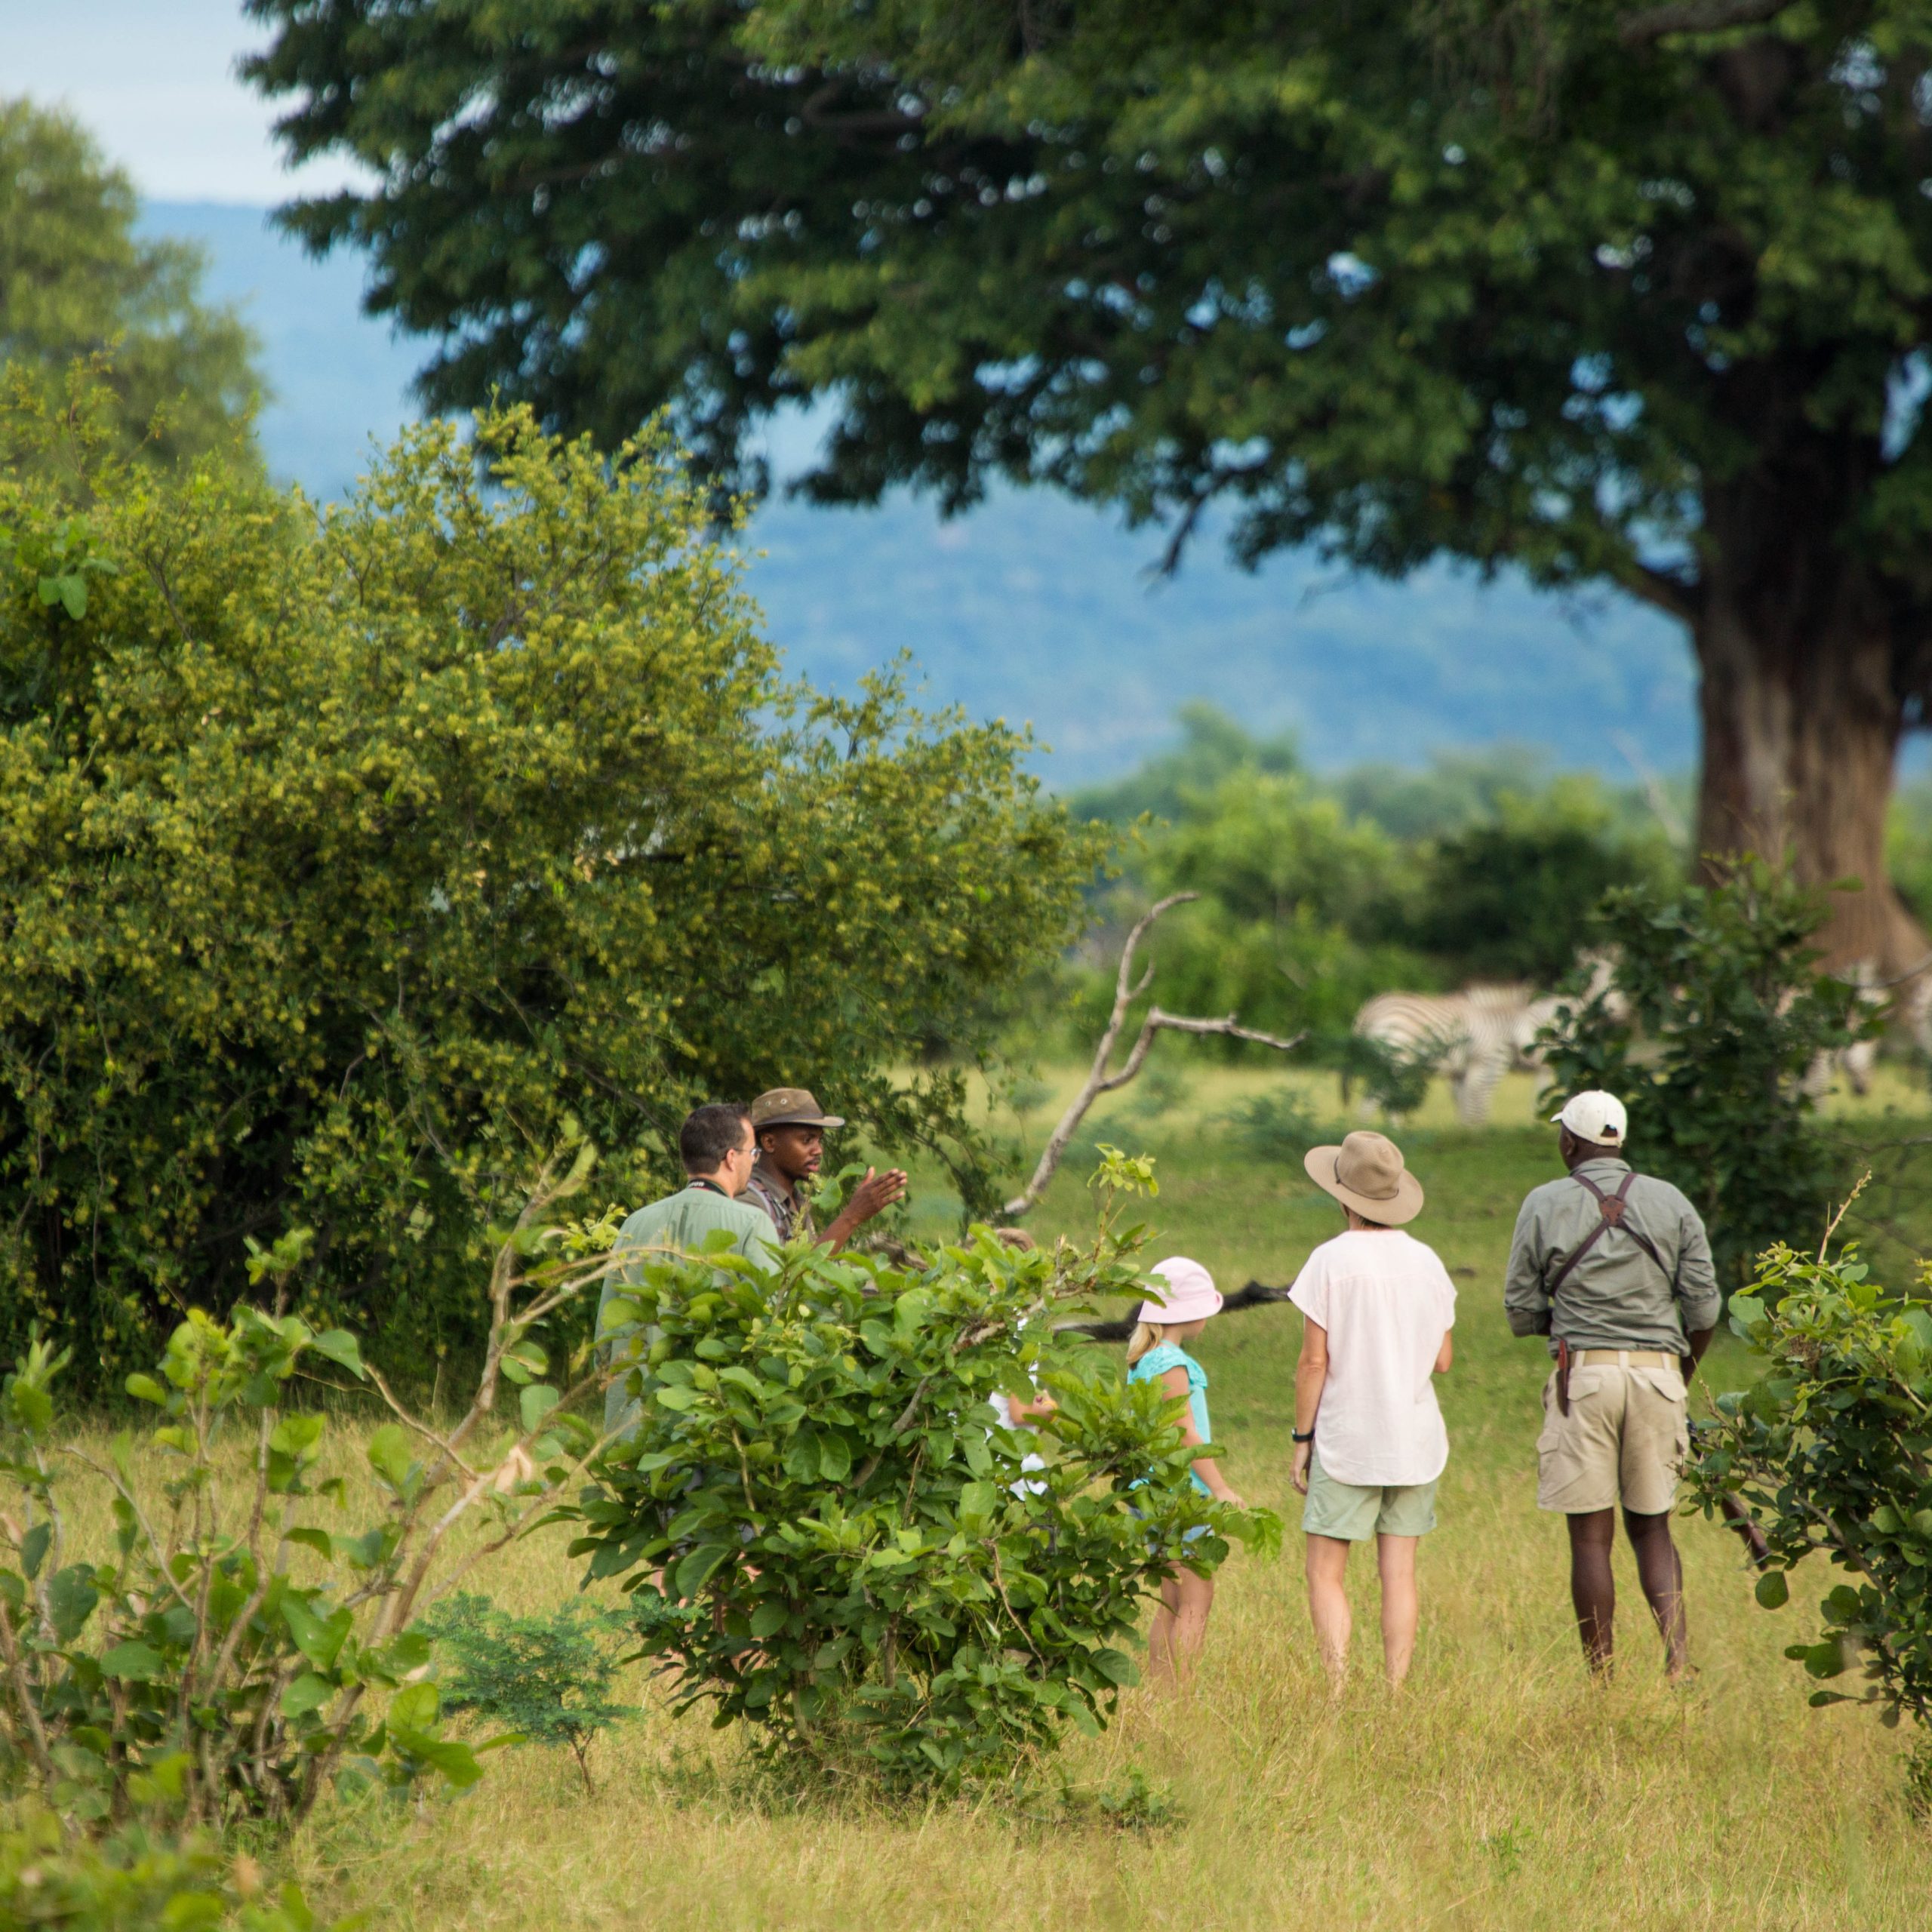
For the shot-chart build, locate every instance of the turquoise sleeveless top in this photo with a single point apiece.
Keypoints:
(1155, 1363)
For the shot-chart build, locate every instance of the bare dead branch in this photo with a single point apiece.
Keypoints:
(1099, 1081)
(1696, 17)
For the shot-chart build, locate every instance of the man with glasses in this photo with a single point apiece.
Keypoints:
(716, 1146)
(790, 1129)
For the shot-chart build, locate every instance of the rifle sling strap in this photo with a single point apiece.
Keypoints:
(1610, 1207)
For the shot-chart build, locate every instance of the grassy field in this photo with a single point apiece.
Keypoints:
(1503, 1789)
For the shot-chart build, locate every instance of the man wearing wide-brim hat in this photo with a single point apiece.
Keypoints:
(790, 1127)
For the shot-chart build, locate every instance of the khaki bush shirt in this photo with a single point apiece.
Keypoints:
(681, 1222)
(1617, 1296)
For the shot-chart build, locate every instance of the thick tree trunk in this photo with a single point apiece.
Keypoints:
(1802, 717)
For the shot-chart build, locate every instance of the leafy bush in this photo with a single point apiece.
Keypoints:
(829, 1536)
(1396, 1079)
(232, 1633)
(1277, 1125)
(1716, 1014)
(1512, 898)
(344, 859)
(547, 1678)
(1831, 1450)
(137, 1881)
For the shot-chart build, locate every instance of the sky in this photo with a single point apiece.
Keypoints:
(1033, 608)
(155, 80)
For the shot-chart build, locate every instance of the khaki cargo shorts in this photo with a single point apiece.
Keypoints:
(1624, 1440)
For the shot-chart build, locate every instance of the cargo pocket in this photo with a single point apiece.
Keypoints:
(1552, 1433)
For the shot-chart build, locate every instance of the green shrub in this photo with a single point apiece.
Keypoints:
(1277, 1126)
(547, 1678)
(242, 1638)
(1830, 1450)
(137, 1880)
(829, 1536)
(1715, 1016)
(344, 859)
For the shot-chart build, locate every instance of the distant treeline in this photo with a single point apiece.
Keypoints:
(1318, 890)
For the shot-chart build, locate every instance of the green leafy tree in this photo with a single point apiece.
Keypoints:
(1710, 1032)
(348, 863)
(77, 282)
(1513, 898)
(829, 1536)
(547, 1678)
(1829, 1450)
(1617, 293)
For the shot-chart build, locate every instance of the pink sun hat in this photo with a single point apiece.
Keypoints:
(1191, 1292)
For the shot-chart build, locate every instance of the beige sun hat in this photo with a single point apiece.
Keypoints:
(1366, 1173)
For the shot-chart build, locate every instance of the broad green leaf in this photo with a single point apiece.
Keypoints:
(34, 1546)
(769, 1618)
(695, 1570)
(536, 1402)
(146, 1389)
(1772, 1590)
(389, 1454)
(134, 1660)
(834, 1457)
(71, 1597)
(340, 1346)
(308, 1692)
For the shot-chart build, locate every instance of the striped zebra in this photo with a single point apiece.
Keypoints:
(1477, 1032)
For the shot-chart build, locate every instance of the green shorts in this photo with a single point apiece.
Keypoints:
(1352, 1513)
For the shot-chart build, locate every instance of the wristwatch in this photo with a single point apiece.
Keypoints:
(1300, 1438)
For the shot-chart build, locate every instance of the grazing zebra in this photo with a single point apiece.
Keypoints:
(1477, 1032)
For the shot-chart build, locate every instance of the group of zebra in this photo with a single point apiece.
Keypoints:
(1474, 1037)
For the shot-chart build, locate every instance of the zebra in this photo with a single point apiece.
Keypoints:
(1477, 1032)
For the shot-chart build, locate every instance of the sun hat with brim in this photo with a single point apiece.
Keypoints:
(1366, 1173)
(790, 1106)
(1186, 1291)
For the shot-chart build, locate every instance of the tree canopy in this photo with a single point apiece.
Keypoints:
(77, 282)
(1607, 292)
(348, 862)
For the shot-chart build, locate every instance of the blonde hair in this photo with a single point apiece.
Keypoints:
(1147, 1335)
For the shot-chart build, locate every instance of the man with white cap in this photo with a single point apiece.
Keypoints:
(1614, 1267)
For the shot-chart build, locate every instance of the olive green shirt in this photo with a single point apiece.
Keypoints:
(1617, 1296)
(791, 1213)
(680, 1222)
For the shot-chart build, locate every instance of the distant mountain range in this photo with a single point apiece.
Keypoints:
(1036, 609)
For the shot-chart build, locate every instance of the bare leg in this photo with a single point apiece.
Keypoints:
(1395, 1556)
(1592, 1588)
(1660, 1571)
(1328, 1603)
(1179, 1626)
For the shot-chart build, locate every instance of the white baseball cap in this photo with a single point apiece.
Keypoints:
(1596, 1117)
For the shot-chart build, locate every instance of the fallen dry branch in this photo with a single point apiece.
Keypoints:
(1127, 990)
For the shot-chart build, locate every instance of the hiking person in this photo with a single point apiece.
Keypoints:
(790, 1130)
(1377, 1307)
(1157, 1351)
(716, 1145)
(1615, 1268)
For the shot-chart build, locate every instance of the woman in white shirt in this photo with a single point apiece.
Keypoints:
(1369, 1444)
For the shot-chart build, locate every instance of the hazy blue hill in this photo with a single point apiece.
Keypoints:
(1036, 609)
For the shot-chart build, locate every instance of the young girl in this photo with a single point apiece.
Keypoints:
(1369, 1440)
(1158, 1352)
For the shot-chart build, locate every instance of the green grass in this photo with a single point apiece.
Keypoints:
(1503, 1790)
